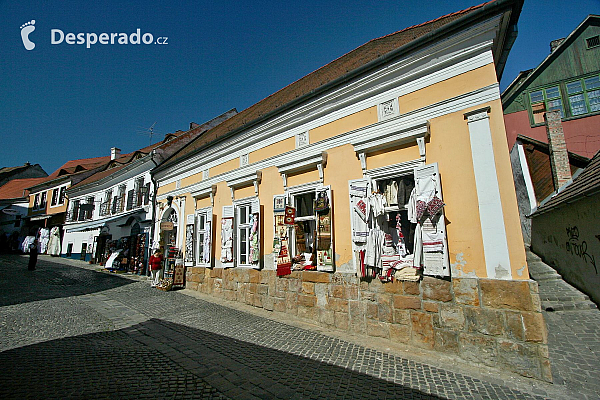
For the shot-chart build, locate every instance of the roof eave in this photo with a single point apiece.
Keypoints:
(448, 29)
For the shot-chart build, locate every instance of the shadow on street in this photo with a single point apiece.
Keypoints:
(160, 359)
(49, 281)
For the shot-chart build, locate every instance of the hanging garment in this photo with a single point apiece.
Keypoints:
(227, 240)
(54, 242)
(377, 204)
(391, 193)
(359, 216)
(206, 248)
(411, 206)
(25, 245)
(433, 240)
(254, 245)
(374, 248)
(405, 188)
(43, 240)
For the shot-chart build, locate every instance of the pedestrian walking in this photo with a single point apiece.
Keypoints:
(155, 263)
(33, 254)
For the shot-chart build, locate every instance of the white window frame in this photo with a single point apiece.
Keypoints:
(291, 194)
(240, 207)
(249, 203)
(203, 215)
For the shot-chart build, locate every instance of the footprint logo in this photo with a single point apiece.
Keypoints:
(26, 29)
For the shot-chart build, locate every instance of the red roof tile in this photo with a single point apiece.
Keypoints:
(336, 69)
(17, 188)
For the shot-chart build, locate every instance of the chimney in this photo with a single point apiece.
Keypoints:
(193, 125)
(114, 152)
(559, 157)
(554, 44)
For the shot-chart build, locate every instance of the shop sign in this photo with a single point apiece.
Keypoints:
(166, 226)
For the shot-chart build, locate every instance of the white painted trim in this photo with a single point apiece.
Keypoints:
(449, 106)
(394, 170)
(372, 138)
(491, 216)
(463, 52)
(246, 179)
(527, 178)
(388, 109)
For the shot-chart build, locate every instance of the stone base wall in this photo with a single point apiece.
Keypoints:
(492, 322)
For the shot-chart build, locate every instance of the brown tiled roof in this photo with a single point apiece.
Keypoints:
(351, 61)
(85, 163)
(587, 183)
(17, 188)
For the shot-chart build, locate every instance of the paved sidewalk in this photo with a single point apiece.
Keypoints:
(124, 339)
(573, 331)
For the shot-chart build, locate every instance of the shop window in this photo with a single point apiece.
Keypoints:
(303, 233)
(204, 236)
(247, 222)
(240, 235)
(398, 228)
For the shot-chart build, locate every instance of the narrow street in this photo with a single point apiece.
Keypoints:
(70, 331)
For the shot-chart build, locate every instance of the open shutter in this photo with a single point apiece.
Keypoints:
(227, 236)
(325, 258)
(431, 247)
(359, 190)
(207, 256)
(255, 235)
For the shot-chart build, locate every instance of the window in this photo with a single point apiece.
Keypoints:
(61, 196)
(147, 194)
(54, 197)
(240, 234)
(138, 196)
(244, 219)
(305, 223)
(310, 237)
(130, 196)
(105, 206)
(43, 200)
(584, 95)
(545, 100)
(593, 41)
(89, 207)
(204, 236)
(36, 201)
(75, 211)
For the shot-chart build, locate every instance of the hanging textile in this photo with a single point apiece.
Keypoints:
(54, 242)
(284, 262)
(227, 240)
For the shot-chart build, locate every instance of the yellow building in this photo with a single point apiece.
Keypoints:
(441, 267)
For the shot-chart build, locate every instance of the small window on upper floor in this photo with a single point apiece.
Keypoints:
(584, 95)
(543, 100)
(592, 42)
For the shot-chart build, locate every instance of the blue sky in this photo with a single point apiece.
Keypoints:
(63, 102)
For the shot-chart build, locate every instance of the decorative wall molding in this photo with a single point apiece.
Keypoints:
(302, 139)
(382, 136)
(390, 171)
(388, 109)
(478, 114)
(466, 51)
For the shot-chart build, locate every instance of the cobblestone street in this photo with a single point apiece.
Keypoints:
(70, 331)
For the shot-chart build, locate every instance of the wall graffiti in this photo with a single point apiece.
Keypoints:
(579, 248)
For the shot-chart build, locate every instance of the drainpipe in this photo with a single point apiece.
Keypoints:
(152, 226)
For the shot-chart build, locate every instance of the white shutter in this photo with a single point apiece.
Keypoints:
(255, 209)
(358, 189)
(427, 184)
(227, 259)
(327, 265)
(208, 250)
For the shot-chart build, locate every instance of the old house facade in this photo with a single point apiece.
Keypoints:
(373, 196)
